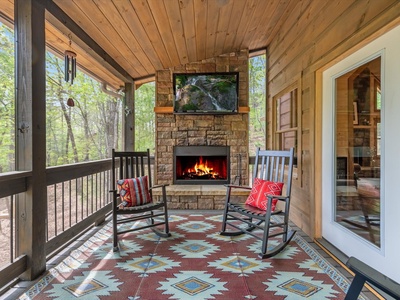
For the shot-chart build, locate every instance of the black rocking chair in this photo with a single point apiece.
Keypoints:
(273, 166)
(135, 167)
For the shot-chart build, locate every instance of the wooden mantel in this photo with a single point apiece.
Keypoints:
(169, 109)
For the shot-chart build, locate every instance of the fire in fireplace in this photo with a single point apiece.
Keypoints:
(197, 167)
(201, 164)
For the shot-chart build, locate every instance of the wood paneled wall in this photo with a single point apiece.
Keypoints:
(315, 34)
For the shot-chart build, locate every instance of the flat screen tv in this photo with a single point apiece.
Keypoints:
(206, 93)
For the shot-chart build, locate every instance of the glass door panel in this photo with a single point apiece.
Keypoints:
(357, 148)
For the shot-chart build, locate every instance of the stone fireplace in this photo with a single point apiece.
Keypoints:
(177, 131)
(201, 165)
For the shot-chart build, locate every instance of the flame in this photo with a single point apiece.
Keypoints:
(202, 168)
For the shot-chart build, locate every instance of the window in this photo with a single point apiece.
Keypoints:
(378, 139)
(144, 117)
(378, 104)
(7, 103)
(286, 116)
(358, 145)
(257, 91)
(378, 95)
(286, 120)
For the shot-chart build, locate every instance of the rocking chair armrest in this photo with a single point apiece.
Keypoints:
(233, 186)
(158, 186)
(163, 190)
(280, 198)
(115, 194)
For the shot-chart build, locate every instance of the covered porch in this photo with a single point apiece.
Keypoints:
(126, 44)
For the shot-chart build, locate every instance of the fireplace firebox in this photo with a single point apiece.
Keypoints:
(201, 164)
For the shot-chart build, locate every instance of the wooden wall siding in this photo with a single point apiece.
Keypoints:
(315, 33)
(308, 37)
(200, 130)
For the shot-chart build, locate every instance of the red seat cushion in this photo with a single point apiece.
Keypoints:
(261, 188)
(134, 191)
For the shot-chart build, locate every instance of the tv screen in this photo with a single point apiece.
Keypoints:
(210, 93)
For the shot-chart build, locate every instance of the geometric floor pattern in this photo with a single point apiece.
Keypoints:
(194, 263)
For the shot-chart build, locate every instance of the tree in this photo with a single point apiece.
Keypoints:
(86, 131)
(89, 129)
(257, 102)
(144, 117)
(7, 100)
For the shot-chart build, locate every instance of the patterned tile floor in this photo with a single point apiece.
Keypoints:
(194, 263)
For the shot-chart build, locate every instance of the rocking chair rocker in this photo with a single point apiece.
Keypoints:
(131, 187)
(272, 172)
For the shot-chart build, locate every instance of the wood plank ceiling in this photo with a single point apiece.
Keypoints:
(143, 36)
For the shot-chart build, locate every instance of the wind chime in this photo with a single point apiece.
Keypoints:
(70, 63)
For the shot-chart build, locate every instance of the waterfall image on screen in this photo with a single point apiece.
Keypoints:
(206, 93)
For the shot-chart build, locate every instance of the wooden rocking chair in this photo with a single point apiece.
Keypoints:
(131, 186)
(271, 169)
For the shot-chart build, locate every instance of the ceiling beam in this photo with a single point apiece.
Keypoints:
(60, 20)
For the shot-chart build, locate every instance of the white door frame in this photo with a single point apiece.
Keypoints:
(385, 259)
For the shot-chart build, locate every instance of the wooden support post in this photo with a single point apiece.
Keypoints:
(129, 118)
(31, 133)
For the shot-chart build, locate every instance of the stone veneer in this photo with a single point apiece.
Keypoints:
(200, 130)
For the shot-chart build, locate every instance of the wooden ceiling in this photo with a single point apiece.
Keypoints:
(143, 36)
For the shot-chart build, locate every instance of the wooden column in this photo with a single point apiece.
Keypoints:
(31, 133)
(129, 117)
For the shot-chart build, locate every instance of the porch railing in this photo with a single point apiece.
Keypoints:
(77, 197)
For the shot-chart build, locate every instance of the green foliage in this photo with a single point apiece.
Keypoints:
(87, 131)
(189, 107)
(224, 86)
(180, 80)
(195, 89)
(7, 100)
(257, 102)
(144, 117)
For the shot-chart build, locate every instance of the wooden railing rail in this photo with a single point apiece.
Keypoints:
(78, 197)
(12, 183)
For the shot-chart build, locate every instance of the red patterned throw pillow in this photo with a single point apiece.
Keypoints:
(261, 188)
(133, 191)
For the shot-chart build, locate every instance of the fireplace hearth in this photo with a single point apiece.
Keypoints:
(201, 164)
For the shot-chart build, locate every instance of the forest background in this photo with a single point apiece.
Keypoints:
(92, 127)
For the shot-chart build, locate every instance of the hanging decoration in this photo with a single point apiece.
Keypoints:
(70, 63)
(70, 102)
